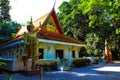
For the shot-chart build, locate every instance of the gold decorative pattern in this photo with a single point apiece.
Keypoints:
(50, 26)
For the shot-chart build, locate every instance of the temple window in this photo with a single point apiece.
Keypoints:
(6, 56)
(73, 54)
(10, 55)
(41, 51)
(59, 53)
(0, 55)
(21, 52)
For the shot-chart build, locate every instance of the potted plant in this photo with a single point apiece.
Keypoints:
(63, 65)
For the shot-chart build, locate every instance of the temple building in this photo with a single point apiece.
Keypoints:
(52, 43)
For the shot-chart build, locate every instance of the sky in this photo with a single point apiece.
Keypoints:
(22, 10)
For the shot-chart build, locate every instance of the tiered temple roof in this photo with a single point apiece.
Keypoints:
(52, 33)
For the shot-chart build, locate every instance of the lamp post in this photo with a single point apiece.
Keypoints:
(41, 73)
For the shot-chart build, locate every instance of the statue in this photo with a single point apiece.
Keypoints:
(107, 54)
(30, 45)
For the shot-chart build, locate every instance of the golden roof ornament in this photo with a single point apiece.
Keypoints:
(30, 24)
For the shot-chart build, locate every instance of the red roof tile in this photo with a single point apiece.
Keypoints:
(43, 34)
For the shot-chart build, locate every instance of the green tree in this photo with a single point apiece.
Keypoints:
(94, 44)
(83, 17)
(114, 15)
(2, 64)
(8, 31)
(73, 22)
(4, 11)
(103, 18)
(115, 23)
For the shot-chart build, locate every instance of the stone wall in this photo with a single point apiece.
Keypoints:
(15, 65)
(18, 65)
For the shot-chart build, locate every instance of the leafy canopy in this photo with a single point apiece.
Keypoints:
(8, 31)
(92, 21)
(4, 11)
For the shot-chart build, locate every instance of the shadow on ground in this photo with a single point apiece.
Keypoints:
(94, 72)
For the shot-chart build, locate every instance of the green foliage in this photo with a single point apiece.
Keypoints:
(80, 62)
(79, 18)
(2, 64)
(4, 11)
(102, 12)
(94, 44)
(8, 29)
(114, 15)
(47, 65)
(73, 22)
(83, 52)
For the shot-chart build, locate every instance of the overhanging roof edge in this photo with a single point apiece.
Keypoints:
(44, 40)
(59, 42)
(12, 44)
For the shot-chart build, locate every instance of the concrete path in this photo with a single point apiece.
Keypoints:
(95, 72)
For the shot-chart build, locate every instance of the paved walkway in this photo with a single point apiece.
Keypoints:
(95, 72)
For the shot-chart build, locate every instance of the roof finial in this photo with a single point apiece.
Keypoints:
(54, 4)
(30, 24)
(31, 20)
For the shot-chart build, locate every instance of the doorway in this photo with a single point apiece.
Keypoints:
(59, 53)
(73, 54)
(41, 51)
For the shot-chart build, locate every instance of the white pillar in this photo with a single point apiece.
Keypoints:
(68, 51)
(77, 53)
(47, 51)
(51, 52)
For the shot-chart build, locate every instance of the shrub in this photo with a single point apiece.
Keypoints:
(80, 62)
(2, 64)
(47, 65)
(63, 62)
